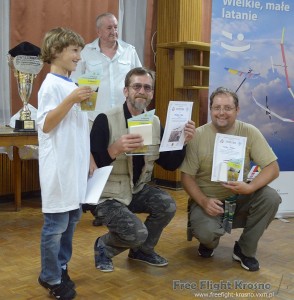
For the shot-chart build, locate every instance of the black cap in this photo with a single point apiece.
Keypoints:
(25, 48)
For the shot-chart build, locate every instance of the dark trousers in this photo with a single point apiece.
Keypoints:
(126, 230)
(253, 212)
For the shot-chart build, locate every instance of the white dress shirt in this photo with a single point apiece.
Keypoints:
(112, 73)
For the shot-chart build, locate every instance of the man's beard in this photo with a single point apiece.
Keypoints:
(139, 106)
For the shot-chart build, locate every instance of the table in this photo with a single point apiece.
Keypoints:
(17, 139)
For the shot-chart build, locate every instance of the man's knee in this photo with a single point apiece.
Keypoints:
(166, 206)
(171, 208)
(204, 235)
(135, 235)
(270, 198)
(205, 228)
(275, 198)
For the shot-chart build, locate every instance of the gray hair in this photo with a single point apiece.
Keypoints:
(99, 19)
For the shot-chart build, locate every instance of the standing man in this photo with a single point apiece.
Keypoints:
(111, 58)
(127, 192)
(256, 203)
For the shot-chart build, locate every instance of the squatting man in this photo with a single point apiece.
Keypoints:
(127, 191)
(256, 203)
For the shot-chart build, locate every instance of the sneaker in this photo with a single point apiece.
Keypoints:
(152, 259)
(60, 291)
(205, 252)
(66, 279)
(102, 262)
(248, 263)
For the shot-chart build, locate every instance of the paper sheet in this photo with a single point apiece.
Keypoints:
(93, 81)
(178, 115)
(96, 184)
(142, 124)
(228, 158)
(145, 130)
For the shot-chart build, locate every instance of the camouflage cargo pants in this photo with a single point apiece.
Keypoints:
(126, 230)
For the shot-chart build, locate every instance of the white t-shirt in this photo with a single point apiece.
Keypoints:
(64, 152)
(112, 73)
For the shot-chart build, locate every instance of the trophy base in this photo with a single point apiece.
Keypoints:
(24, 126)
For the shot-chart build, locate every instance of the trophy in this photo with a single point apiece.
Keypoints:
(25, 62)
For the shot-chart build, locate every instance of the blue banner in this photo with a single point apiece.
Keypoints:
(252, 53)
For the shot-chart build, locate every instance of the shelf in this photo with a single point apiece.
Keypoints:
(196, 68)
(191, 64)
(186, 45)
(193, 87)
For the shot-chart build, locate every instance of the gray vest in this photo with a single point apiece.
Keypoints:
(120, 182)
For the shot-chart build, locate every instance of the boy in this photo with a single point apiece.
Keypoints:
(64, 158)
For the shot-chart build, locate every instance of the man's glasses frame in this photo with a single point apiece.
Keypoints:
(225, 108)
(138, 86)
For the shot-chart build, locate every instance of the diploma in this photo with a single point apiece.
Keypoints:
(228, 158)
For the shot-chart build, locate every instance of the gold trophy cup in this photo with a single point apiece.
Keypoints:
(25, 68)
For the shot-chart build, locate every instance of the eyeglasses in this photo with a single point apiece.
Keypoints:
(225, 108)
(138, 86)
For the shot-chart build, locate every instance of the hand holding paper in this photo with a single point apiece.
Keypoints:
(145, 130)
(126, 143)
(141, 124)
(92, 80)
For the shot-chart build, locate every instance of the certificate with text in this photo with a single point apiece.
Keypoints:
(228, 158)
(178, 115)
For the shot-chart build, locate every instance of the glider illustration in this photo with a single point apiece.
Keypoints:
(270, 112)
(284, 63)
(246, 75)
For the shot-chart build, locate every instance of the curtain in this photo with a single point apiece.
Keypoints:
(132, 24)
(27, 24)
(137, 22)
(31, 19)
(4, 69)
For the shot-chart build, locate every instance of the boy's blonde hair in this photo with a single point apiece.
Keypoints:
(56, 40)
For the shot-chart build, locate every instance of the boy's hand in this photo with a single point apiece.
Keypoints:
(80, 94)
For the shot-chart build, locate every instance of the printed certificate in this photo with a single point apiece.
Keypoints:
(228, 158)
(178, 115)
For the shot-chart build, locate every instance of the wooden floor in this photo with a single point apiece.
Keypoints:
(186, 276)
